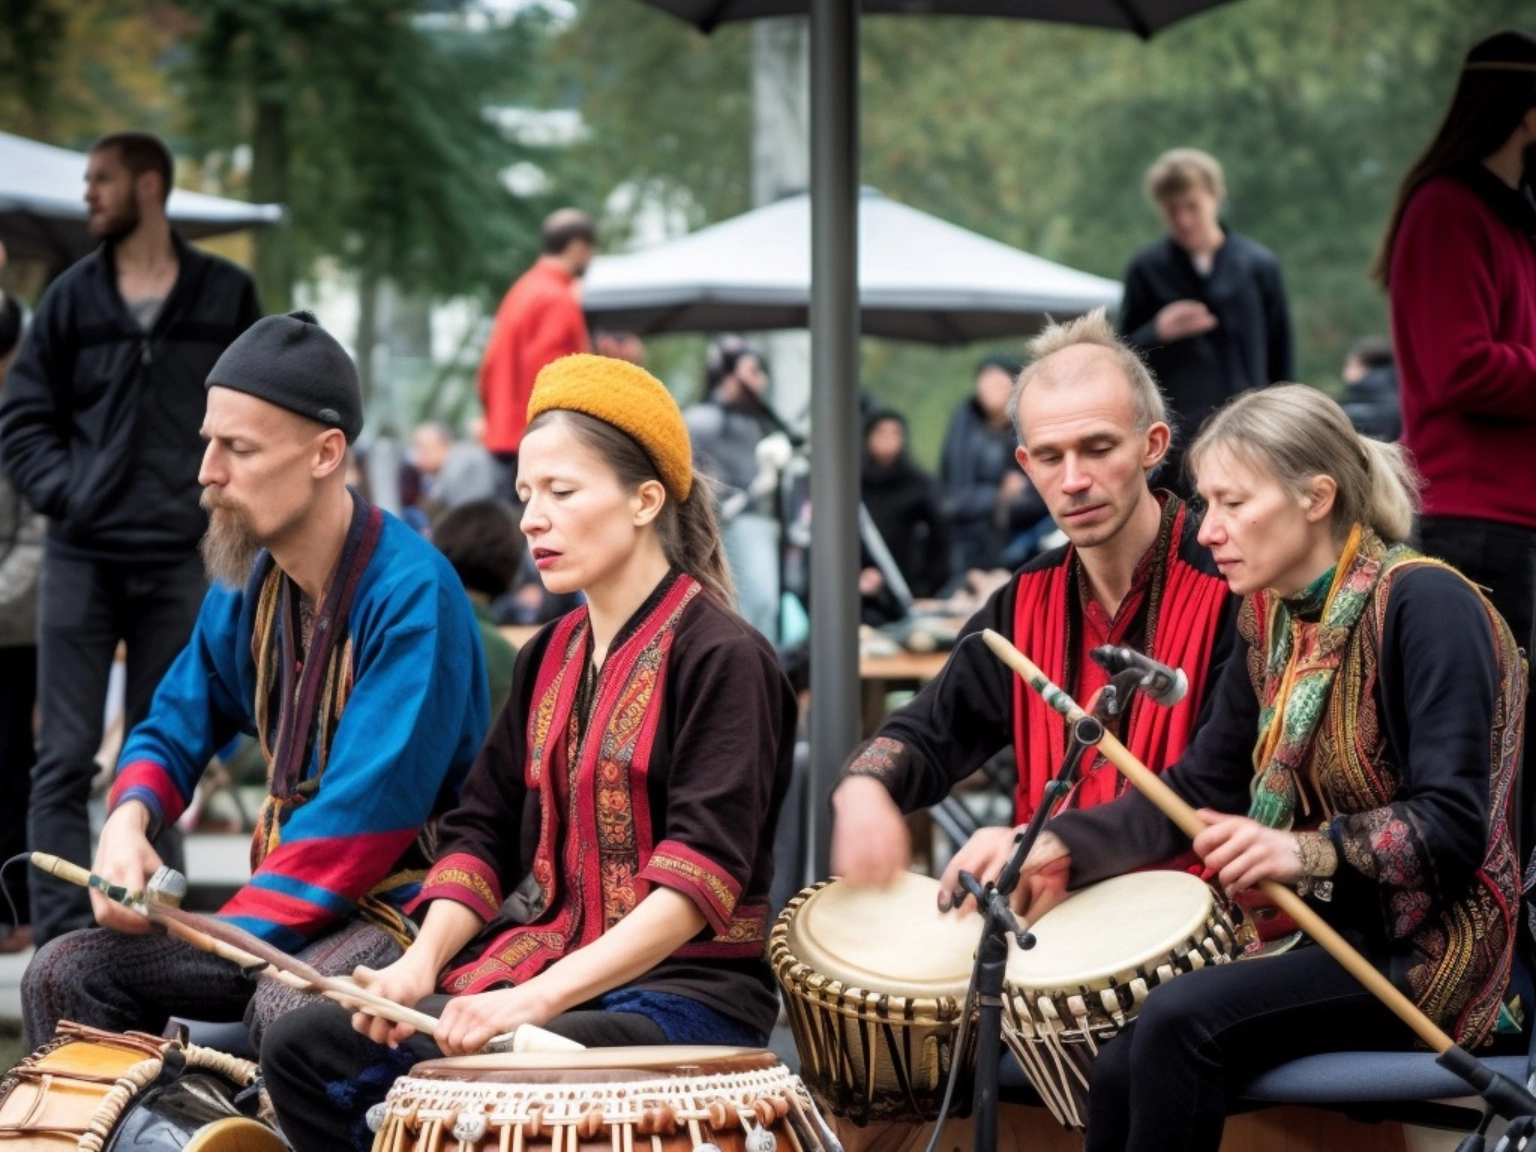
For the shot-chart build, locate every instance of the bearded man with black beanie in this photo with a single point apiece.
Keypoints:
(344, 643)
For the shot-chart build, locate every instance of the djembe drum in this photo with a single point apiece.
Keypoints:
(1096, 956)
(662, 1099)
(875, 984)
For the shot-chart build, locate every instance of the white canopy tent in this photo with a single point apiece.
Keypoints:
(920, 278)
(42, 213)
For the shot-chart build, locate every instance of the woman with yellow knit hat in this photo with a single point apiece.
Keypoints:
(606, 873)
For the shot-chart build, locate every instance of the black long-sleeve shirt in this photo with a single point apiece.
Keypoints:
(99, 429)
(1251, 345)
(1437, 694)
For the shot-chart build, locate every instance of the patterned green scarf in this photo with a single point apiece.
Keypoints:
(1301, 664)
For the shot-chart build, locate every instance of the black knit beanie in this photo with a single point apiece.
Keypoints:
(294, 363)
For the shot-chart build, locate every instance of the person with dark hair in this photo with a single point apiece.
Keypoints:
(1205, 305)
(1459, 264)
(342, 641)
(987, 498)
(1370, 389)
(903, 502)
(483, 543)
(141, 153)
(726, 429)
(539, 320)
(606, 875)
(98, 431)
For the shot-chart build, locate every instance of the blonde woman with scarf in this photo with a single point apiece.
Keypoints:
(1362, 749)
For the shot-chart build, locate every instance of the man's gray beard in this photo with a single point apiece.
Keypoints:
(229, 547)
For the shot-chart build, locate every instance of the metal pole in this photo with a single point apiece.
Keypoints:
(834, 406)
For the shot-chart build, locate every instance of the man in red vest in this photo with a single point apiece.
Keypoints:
(1092, 428)
(539, 320)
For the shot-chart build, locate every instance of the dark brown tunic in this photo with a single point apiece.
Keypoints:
(712, 778)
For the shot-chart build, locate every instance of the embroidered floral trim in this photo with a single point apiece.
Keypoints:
(463, 875)
(878, 759)
(700, 879)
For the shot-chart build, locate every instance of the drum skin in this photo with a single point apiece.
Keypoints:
(874, 983)
(127, 1093)
(662, 1099)
(1097, 956)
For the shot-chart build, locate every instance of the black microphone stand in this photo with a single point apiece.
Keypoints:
(998, 920)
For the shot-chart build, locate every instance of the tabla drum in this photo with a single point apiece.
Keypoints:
(662, 1099)
(875, 982)
(102, 1091)
(1096, 956)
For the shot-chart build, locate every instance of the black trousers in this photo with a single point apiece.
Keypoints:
(18, 698)
(323, 1076)
(1501, 558)
(1166, 1083)
(119, 982)
(85, 608)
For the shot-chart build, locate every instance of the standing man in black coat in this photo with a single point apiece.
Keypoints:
(1205, 306)
(99, 431)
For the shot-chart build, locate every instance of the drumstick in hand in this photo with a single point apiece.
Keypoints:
(1173, 806)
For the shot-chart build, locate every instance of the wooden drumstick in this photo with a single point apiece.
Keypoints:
(256, 956)
(337, 988)
(1174, 806)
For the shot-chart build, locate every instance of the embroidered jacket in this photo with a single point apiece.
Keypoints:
(665, 768)
(349, 793)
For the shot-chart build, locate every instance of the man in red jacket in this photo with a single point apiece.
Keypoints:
(1459, 262)
(539, 320)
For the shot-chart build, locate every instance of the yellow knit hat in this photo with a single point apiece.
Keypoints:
(628, 397)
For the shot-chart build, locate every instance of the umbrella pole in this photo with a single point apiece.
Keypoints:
(834, 406)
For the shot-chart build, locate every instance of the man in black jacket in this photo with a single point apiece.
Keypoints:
(1205, 306)
(99, 431)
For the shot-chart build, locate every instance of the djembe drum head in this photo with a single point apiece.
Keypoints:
(875, 982)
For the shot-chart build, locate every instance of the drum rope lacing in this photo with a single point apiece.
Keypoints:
(134, 1080)
(749, 1100)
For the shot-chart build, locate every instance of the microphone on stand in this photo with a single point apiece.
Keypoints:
(1162, 684)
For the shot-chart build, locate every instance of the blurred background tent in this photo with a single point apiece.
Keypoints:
(920, 278)
(42, 213)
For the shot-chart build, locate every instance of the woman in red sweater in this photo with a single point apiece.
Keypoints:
(1459, 262)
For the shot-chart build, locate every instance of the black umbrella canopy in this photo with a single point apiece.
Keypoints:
(1143, 17)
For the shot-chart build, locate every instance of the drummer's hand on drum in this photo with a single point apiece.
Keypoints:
(124, 856)
(1242, 852)
(1043, 879)
(469, 1022)
(871, 846)
(407, 981)
(983, 856)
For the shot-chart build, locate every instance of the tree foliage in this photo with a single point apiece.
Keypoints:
(70, 71)
(1039, 135)
(372, 126)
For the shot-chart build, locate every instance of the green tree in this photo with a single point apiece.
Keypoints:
(372, 126)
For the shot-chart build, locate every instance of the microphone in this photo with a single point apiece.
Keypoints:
(1162, 684)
